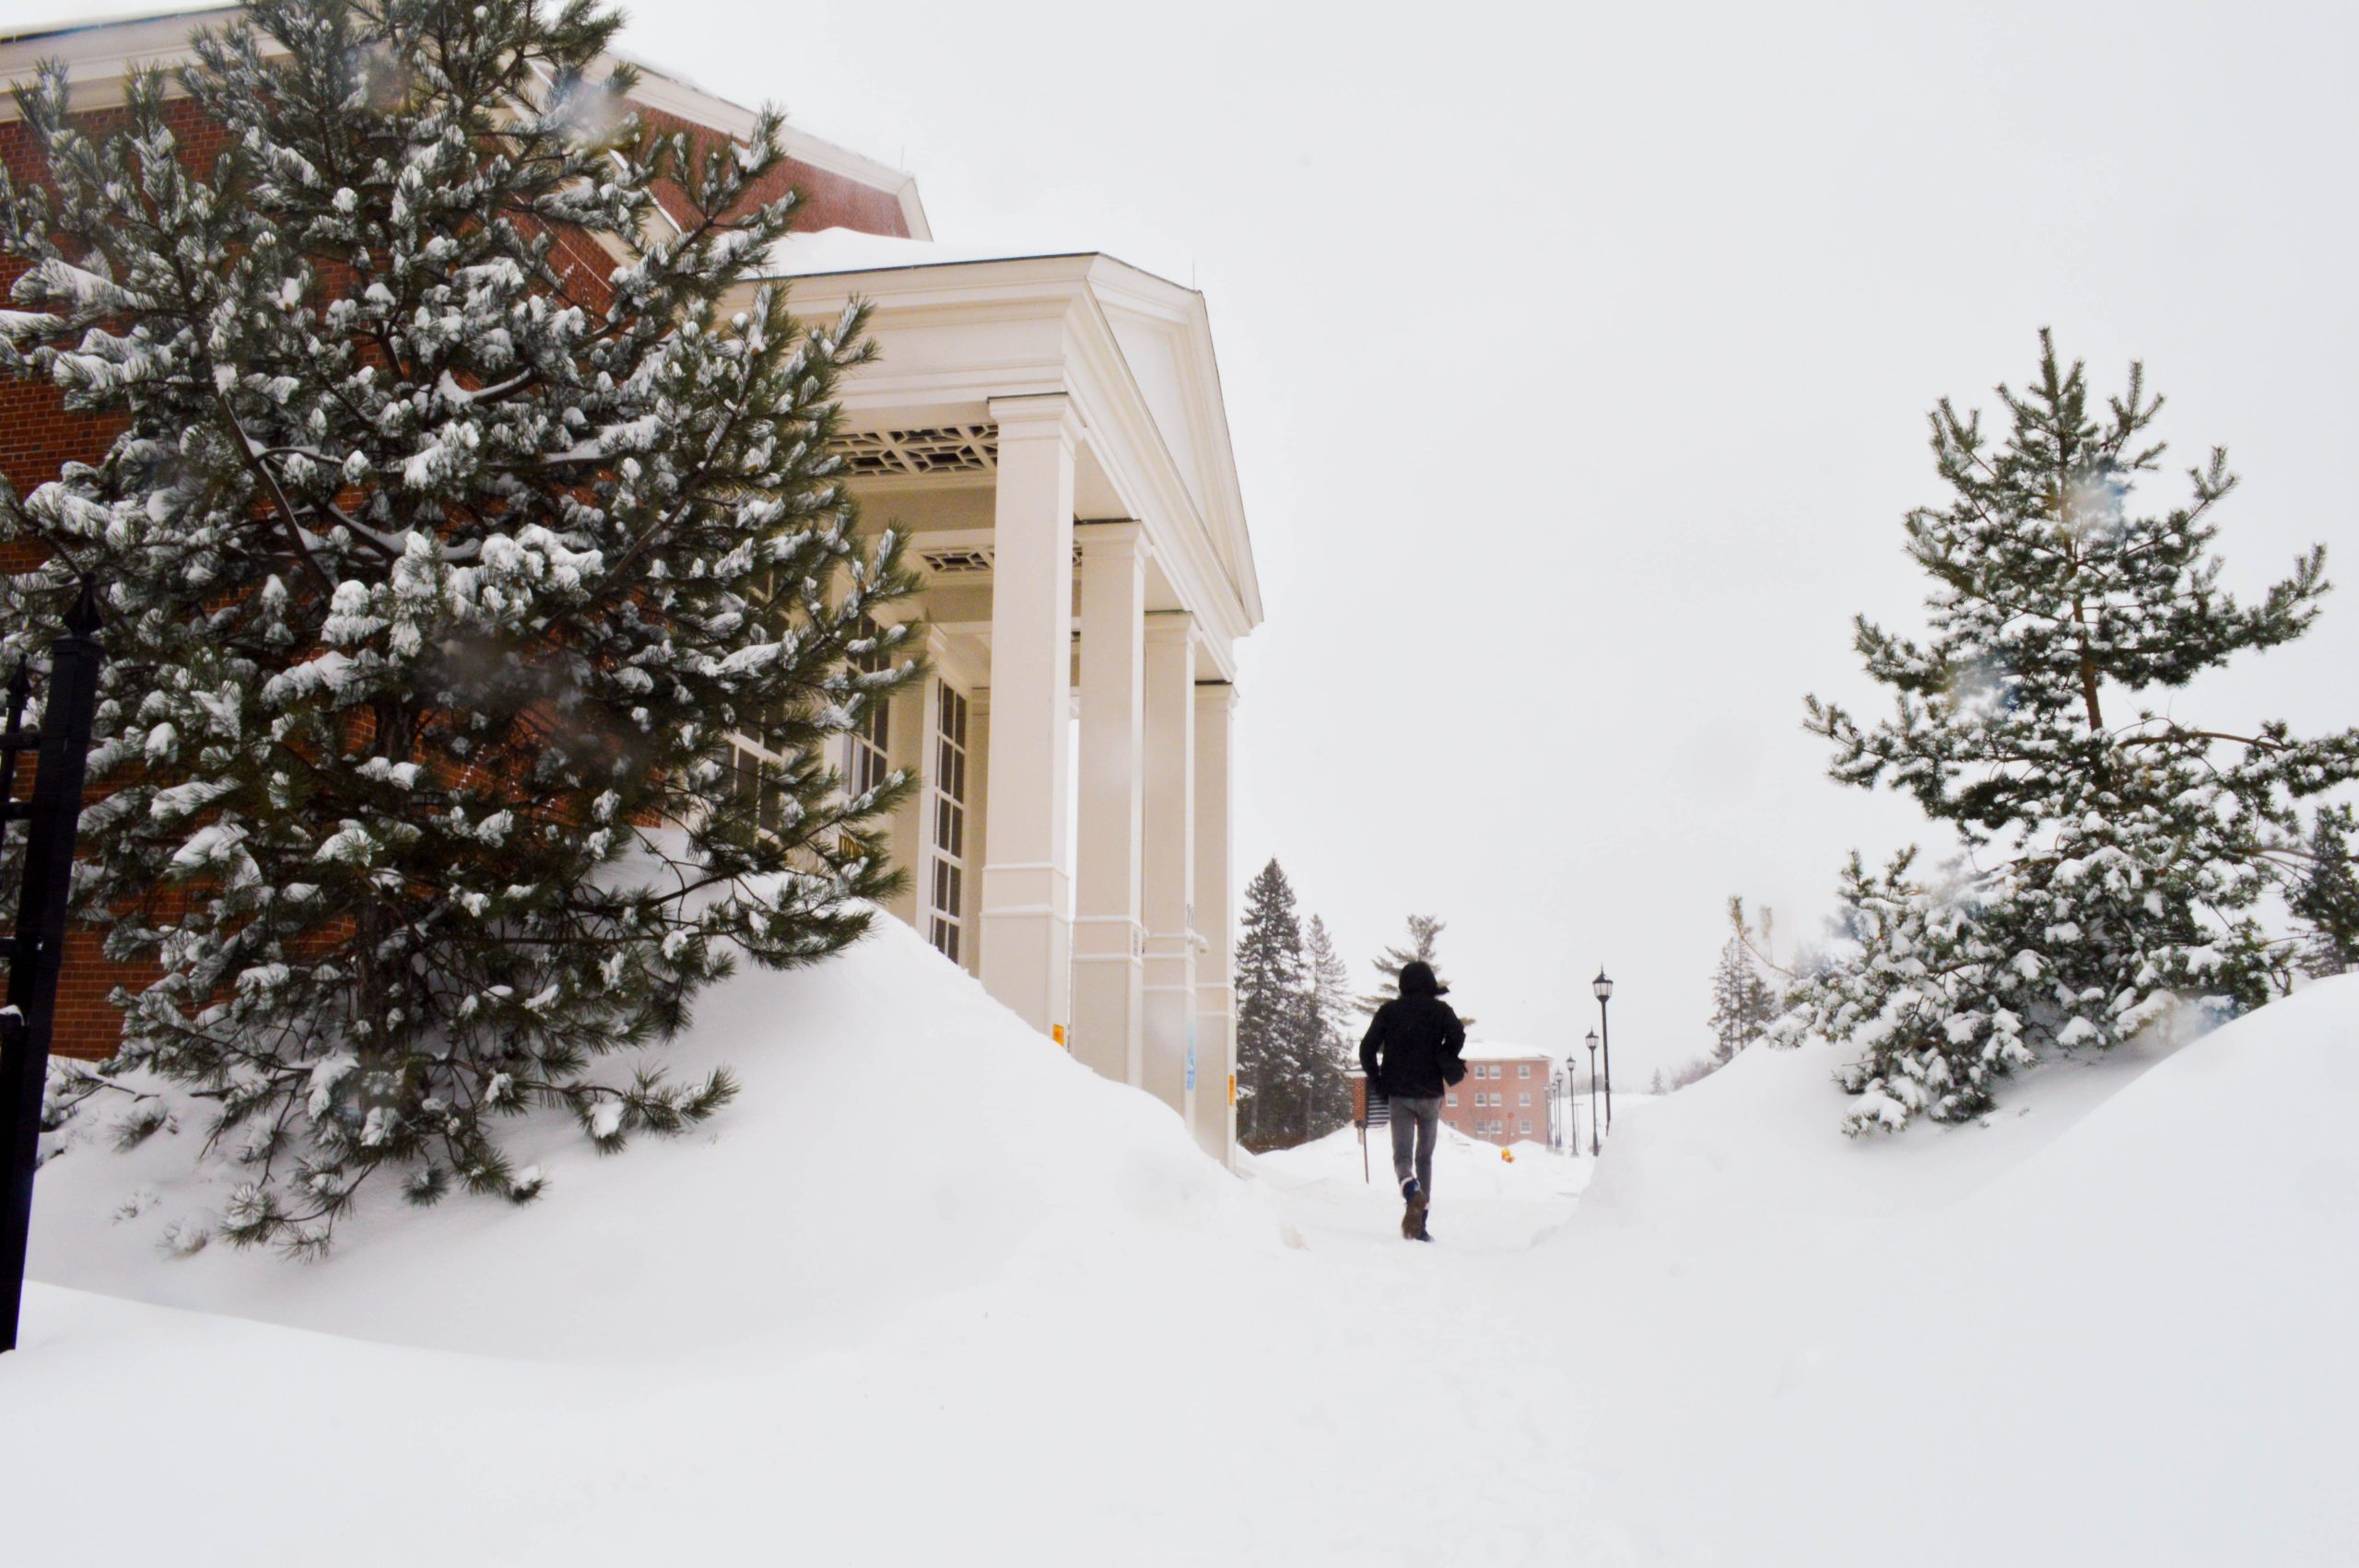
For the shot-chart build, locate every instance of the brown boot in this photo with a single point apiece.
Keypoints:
(1413, 1219)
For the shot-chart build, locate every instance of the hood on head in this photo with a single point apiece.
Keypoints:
(1417, 980)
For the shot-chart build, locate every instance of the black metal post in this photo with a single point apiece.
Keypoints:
(52, 819)
(1606, 1034)
(1593, 1145)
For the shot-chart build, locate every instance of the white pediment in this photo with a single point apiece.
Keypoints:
(1154, 352)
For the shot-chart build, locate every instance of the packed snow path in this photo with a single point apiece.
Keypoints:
(1023, 1321)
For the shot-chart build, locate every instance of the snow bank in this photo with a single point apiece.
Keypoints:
(2112, 1325)
(887, 1146)
(931, 1293)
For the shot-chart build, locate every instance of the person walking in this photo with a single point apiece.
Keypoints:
(1411, 1054)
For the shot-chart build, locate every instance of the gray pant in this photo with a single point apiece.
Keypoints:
(1418, 1121)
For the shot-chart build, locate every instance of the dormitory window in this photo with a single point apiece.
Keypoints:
(947, 887)
(1523, 1069)
(1524, 1099)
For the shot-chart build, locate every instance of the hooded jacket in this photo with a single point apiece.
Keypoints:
(1411, 1050)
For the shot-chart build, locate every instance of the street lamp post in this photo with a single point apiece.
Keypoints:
(1602, 989)
(1572, 1107)
(1592, 1092)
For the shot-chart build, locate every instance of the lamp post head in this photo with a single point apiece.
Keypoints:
(1592, 1042)
(1601, 988)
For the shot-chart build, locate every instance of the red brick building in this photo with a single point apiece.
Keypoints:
(841, 190)
(1505, 1097)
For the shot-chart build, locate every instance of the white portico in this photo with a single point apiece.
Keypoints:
(1049, 431)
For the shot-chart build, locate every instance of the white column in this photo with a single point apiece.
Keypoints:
(1109, 941)
(970, 897)
(1170, 862)
(910, 749)
(1215, 1118)
(1028, 875)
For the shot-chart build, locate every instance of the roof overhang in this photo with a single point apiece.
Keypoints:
(100, 56)
(1134, 352)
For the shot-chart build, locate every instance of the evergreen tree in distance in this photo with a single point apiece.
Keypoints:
(2118, 849)
(1326, 1101)
(1743, 1002)
(2325, 898)
(1423, 931)
(438, 562)
(1272, 1010)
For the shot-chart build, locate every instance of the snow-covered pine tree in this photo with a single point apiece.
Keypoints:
(1271, 1011)
(2117, 851)
(2325, 896)
(1332, 1047)
(1743, 1001)
(454, 524)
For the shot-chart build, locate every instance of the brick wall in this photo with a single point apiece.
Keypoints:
(1503, 1097)
(38, 437)
(829, 201)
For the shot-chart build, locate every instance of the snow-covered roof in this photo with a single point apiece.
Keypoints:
(1502, 1051)
(849, 250)
(1494, 1050)
(102, 48)
(92, 17)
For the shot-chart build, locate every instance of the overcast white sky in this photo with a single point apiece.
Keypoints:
(1576, 358)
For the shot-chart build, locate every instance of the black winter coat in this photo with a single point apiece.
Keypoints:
(1412, 1045)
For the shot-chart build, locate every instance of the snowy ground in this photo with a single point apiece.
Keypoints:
(1036, 1327)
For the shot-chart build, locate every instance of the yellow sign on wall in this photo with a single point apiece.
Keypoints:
(1057, 1033)
(1232, 1090)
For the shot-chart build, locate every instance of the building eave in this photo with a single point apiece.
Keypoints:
(1084, 359)
(101, 54)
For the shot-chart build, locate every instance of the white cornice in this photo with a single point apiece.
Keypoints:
(1081, 357)
(100, 56)
(659, 89)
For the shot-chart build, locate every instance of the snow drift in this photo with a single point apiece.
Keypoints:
(2111, 1324)
(886, 1145)
(931, 1291)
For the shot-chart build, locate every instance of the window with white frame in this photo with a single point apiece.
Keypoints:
(865, 758)
(753, 783)
(1524, 1099)
(947, 887)
(1453, 1099)
(1523, 1127)
(1523, 1069)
